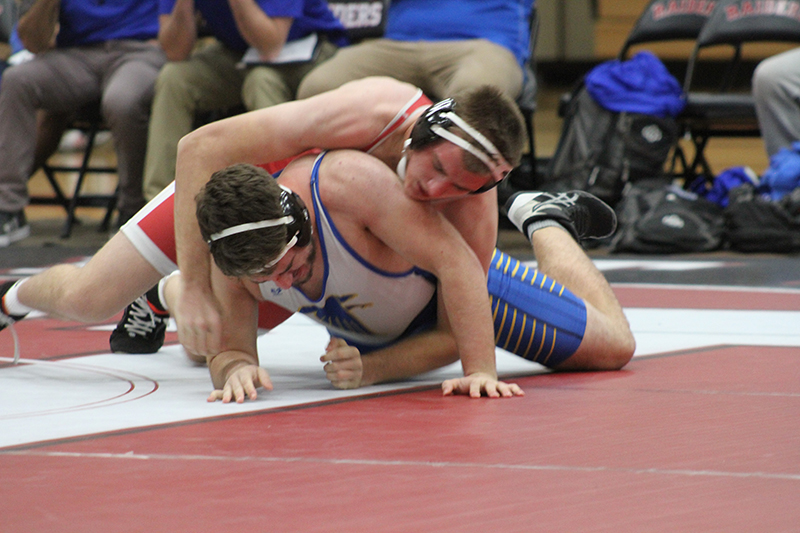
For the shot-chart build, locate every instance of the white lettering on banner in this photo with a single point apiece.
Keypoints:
(682, 7)
(780, 8)
(358, 15)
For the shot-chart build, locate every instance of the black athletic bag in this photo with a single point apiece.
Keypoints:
(600, 151)
(618, 128)
(755, 224)
(658, 219)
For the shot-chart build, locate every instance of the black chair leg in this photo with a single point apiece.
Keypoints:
(700, 165)
(73, 204)
(112, 204)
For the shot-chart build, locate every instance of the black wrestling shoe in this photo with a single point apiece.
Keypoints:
(583, 215)
(141, 330)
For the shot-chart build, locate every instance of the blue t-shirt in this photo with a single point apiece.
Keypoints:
(503, 22)
(309, 16)
(89, 21)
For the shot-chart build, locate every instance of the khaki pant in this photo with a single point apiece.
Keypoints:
(210, 80)
(440, 69)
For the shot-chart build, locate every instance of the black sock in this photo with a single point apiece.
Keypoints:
(155, 302)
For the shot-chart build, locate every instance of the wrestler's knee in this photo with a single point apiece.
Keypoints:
(607, 345)
(619, 351)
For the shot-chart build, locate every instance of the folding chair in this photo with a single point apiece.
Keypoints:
(90, 121)
(726, 113)
(665, 21)
(662, 21)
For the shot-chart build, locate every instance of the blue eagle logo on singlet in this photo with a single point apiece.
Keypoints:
(337, 315)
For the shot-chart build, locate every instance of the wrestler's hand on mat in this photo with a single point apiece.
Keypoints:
(242, 381)
(199, 324)
(478, 383)
(343, 366)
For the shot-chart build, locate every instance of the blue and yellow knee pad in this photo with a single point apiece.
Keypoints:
(534, 316)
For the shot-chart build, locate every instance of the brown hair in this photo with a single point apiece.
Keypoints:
(235, 195)
(496, 117)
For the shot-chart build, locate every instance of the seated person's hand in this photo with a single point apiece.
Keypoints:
(480, 383)
(242, 380)
(343, 366)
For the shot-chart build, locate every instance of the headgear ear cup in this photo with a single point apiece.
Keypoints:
(401, 167)
(422, 134)
(294, 206)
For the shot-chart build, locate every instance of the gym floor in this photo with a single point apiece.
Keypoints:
(698, 433)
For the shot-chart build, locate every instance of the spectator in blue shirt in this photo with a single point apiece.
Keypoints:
(213, 76)
(85, 51)
(442, 47)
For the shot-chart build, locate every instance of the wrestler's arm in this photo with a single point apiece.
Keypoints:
(361, 187)
(412, 356)
(346, 368)
(351, 116)
(235, 372)
(476, 219)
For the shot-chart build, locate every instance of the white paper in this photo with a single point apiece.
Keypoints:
(292, 52)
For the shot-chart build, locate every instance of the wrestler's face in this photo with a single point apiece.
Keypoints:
(293, 270)
(437, 172)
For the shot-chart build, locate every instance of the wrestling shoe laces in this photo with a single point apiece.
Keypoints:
(583, 215)
(141, 329)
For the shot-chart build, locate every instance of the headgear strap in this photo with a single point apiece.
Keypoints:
(250, 226)
(497, 163)
(291, 203)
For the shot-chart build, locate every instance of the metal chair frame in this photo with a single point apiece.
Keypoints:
(89, 121)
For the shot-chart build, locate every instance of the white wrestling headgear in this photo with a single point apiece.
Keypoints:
(435, 123)
(295, 216)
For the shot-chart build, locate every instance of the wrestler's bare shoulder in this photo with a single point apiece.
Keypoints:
(376, 98)
(379, 90)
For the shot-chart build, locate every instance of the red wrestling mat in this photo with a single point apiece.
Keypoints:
(694, 297)
(703, 439)
(693, 442)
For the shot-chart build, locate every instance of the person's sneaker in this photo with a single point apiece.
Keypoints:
(141, 330)
(583, 215)
(13, 227)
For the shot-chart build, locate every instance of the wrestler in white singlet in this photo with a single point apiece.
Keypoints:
(364, 305)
